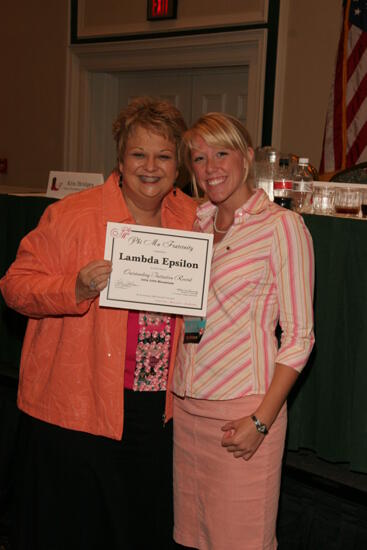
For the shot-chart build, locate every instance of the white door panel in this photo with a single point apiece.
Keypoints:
(193, 91)
(223, 90)
(174, 86)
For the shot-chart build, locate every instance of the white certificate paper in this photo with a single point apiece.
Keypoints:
(155, 269)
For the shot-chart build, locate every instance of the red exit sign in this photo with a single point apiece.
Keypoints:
(162, 9)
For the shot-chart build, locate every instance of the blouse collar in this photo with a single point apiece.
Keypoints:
(258, 202)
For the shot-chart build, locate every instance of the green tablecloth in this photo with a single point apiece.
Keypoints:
(328, 407)
(18, 215)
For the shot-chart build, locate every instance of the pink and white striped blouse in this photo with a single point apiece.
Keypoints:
(262, 272)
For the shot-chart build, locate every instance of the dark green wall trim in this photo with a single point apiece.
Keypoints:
(145, 36)
(73, 21)
(271, 59)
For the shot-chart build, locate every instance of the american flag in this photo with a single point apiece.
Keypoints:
(345, 138)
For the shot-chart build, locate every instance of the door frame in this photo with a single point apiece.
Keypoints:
(237, 48)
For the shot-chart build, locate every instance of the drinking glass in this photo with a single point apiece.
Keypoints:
(364, 203)
(323, 199)
(347, 201)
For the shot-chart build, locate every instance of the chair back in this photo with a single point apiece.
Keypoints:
(354, 174)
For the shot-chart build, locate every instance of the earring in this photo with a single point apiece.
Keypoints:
(120, 180)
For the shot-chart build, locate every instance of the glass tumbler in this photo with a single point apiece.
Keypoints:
(347, 201)
(364, 203)
(323, 199)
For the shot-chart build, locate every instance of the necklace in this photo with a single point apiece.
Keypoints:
(215, 224)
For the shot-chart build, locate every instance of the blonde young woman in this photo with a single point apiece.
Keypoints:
(231, 387)
(95, 458)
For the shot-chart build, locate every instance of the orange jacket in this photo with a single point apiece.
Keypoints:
(72, 365)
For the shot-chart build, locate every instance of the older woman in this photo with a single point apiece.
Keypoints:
(95, 465)
(231, 386)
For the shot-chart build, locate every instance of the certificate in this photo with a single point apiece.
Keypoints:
(156, 269)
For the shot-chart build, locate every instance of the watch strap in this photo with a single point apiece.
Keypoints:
(259, 425)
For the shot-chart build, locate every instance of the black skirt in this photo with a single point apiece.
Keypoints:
(79, 491)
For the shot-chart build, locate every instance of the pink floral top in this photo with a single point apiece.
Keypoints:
(148, 350)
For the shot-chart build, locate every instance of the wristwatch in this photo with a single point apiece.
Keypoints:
(259, 425)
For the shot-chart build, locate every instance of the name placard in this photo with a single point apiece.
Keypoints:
(61, 184)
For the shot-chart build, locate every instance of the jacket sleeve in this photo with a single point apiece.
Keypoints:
(293, 258)
(41, 281)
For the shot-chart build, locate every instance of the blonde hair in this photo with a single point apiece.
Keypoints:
(217, 130)
(156, 115)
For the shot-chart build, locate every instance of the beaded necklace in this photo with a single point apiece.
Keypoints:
(152, 352)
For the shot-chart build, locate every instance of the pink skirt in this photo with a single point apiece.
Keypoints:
(222, 502)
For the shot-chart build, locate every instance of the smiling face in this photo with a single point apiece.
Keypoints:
(149, 167)
(221, 173)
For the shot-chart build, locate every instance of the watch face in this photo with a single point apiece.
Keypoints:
(259, 425)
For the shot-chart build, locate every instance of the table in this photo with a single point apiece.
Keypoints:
(18, 215)
(328, 406)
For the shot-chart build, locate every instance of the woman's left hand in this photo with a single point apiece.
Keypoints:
(92, 278)
(241, 437)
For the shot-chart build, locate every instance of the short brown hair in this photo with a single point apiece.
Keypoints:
(156, 115)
